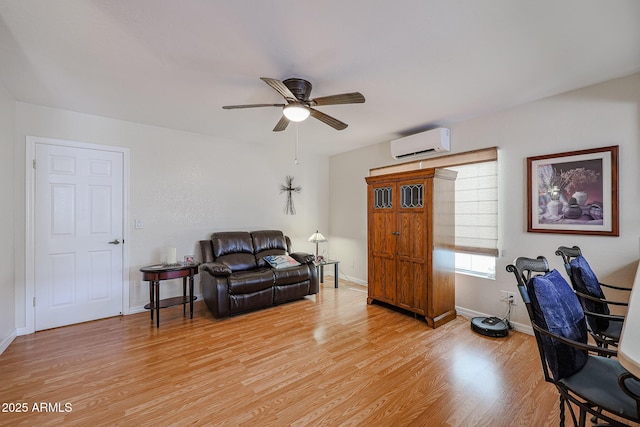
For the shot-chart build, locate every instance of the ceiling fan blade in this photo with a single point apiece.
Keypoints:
(233, 107)
(331, 121)
(343, 98)
(281, 125)
(280, 87)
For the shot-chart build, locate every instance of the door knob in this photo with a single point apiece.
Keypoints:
(115, 242)
(395, 233)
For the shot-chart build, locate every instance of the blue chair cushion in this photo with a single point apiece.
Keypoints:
(585, 281)
(557, 309)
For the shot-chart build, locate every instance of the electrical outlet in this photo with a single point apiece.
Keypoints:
(505, 296)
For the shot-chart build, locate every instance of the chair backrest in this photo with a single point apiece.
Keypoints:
(585, 281)
(567, 254)
(524, 268)
(552, 306)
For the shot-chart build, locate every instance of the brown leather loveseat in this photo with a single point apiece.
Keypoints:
(235, 276)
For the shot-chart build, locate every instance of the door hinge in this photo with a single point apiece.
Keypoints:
(34, 301)
(34, 163)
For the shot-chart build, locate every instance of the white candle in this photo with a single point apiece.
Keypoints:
(171, 255)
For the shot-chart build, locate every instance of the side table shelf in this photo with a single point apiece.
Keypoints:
(154, 274)
(170, 302)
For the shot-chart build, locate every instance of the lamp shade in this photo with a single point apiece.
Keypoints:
(317, 237)
(296, 112)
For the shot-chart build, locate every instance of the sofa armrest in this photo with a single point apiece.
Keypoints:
(215, 291)
(216, 269)
(303, 257)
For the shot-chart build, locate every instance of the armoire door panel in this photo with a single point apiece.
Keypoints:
(405, 283)
(383, 284)
(382, 244)
(383, 239)
(412, 235)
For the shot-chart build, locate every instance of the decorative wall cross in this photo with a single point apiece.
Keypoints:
(289, 209)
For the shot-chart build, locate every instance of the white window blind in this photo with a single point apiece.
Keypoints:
(476, 196)
(477, 208)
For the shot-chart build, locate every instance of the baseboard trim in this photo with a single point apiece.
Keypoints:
(6, 342)
(469, 314)
(345, 277)
(24, 331)
(136, 310)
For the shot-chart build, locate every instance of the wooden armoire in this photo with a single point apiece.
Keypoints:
(411, 233)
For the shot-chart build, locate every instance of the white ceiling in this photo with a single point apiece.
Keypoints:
(419, 63)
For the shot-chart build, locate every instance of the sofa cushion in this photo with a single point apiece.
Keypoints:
(268, 239)
(245, 282)
(286, 293)
(261, 258)
(234, 249)
(252, 301)
(290, 275)
(268, 243)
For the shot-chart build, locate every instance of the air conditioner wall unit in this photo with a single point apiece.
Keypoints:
(429, 142)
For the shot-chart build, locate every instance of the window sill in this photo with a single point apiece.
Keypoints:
(476, 274)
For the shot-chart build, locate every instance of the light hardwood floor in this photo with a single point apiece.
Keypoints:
(327, 360)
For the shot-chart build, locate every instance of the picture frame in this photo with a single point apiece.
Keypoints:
(189, 259)
(574, 192)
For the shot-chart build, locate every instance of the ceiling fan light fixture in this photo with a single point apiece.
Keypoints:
(298, 105)
(296, 112)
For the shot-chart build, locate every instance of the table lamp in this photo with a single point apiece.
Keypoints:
(316, 238)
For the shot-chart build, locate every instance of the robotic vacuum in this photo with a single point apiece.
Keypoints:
(490, 326)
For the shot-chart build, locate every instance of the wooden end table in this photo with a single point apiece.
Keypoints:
(154, 274)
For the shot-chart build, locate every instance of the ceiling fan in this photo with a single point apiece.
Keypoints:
(299, 106)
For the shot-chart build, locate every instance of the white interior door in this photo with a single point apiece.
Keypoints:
(79, 213)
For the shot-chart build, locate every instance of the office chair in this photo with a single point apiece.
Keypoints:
(586, 376)
(604, 327)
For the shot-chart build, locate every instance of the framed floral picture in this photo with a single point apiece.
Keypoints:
(574, 192)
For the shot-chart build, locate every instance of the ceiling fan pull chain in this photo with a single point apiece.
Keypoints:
(295, 160)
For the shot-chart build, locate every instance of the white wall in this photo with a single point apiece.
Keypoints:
(183, 187)
(7, 276)
(597, 116)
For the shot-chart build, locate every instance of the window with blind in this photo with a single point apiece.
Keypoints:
(476, 206)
